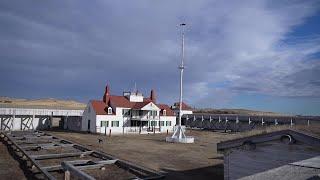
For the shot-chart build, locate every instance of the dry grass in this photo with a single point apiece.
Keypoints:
(42, 102)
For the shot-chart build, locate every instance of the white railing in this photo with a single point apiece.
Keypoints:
(145, 117)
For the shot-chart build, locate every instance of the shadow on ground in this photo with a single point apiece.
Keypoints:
(210, 172)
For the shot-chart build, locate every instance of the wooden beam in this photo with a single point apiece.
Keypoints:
(46, 146)
(31, 137)
(61, 155)
(95, 165)
(73, 170)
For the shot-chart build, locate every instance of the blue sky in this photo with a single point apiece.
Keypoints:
(261, 55)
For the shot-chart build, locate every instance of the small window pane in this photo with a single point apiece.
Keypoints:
(104, 123)
(153, 123)
(109, 110)
(114, 123)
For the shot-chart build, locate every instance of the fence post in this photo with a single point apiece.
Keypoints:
(67, 175)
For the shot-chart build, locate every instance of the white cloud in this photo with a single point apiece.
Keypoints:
(231, 47)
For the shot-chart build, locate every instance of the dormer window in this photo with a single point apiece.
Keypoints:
(109, 110)
(164, 112)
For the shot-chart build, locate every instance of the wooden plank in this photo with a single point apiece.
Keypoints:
(59, 167)
(73, 170)
(95, 165)
(61, 155)
(46, 146)
(46, 173)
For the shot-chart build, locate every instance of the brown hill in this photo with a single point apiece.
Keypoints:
(49, 102)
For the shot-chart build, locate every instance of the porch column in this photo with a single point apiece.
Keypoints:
(159, 125)
(140, 127)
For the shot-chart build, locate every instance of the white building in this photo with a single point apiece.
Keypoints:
(129, 113)
(186, 109)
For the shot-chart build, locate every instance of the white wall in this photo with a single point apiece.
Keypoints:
(95, 123)
(89, 114)
(121, 129)
(109, 118)
(168, 118)
(135, 98)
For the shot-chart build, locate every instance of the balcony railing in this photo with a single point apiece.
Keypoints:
(145, 117)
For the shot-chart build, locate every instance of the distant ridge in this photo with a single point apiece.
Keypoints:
(47, 102)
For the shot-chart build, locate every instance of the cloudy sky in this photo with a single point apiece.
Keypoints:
(262, 55)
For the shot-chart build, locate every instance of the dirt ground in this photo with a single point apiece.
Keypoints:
(178, 161)
(9, 167)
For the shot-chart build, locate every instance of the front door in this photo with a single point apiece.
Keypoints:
(88, 125)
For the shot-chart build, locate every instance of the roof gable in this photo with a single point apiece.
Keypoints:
(101, 108)
(169, 111)
(150, 106)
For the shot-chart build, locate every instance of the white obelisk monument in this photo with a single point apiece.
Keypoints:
(179, 135)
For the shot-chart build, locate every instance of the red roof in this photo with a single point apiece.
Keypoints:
(147, 100)
(121, 101)
(99, 107)
(169, 112)
(184, 106)
(139, 105)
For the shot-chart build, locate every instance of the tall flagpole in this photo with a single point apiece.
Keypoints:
(178, 135)
(181, 67)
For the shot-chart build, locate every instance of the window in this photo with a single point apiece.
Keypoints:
(104, 123)
(153, 123)
(161, 123)
(153, 113)
(126, 112)
(168, 123)
(109, 110)
(114, 123)
(164, 112)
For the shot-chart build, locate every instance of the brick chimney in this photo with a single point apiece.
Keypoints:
(106, 94)
(153, 96)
